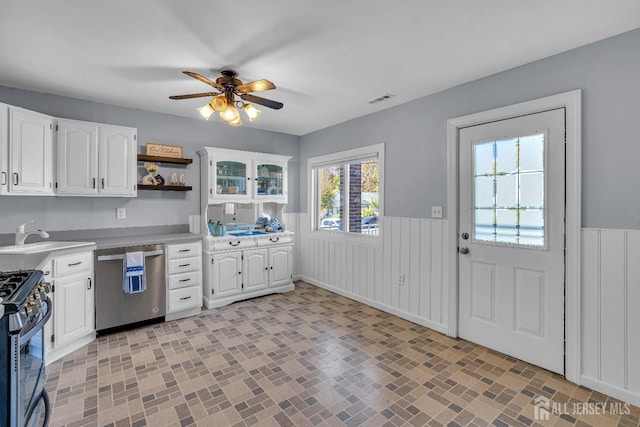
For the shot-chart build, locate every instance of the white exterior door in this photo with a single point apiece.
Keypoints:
(31, 152)
(117, 164)
(511, 237)
(77, 158)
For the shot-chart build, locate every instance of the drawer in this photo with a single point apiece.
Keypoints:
(73, 263)
(176, 281)
(234, 243)
(181, 265)
(277, 239)
(184, 250)
(184, 299)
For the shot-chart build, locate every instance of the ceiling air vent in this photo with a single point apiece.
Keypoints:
(382, 98)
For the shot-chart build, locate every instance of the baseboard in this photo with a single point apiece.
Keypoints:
(384, 307)
(611, 390)
(59, 353)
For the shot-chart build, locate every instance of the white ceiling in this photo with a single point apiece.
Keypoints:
(327, 58)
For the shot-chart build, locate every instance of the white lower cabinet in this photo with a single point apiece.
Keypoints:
(184, 280)
(233, 275)
(72, 324)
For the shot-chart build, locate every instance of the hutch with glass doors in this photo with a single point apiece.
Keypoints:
(243, 263)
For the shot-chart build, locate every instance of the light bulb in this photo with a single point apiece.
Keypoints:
(252, 112)
(230, 114)
(237, 122)
(206, 111)
(219, 103)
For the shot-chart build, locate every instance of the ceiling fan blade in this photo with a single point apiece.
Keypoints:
(194, 95)
(262, 101)
(257, 86)
(203, 79)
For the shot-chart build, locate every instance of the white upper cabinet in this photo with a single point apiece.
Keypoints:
(242, 176)
(95, 159)
(117, 160)
(77, 158)
(30, 152)
(4, 149)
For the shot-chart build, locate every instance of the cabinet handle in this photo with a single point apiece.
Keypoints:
(73, 264)
(184, 265)
(184, 298)
(274, 241)
(15, 176)
(235, 244)
(103, 183)
(94, 183)
(185, 280)
(184, 250)
(89, 280)
(266, 268)
(239, 272)
(4, 178)
(46, 273)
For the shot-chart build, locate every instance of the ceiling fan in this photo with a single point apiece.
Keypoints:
(224, 101)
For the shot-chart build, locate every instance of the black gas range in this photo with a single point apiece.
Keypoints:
(24, 310)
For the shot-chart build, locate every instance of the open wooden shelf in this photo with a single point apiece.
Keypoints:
(145, 158)
(165, 187)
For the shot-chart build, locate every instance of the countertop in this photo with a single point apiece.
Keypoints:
(124, 241)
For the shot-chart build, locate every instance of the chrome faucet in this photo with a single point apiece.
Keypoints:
(21, 235)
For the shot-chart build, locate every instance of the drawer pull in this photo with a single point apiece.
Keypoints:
(185, 298)
(185, 280)
(73, 264)
(184, 250)
(4, 178)
(89, 282)
(184, 265)
(15, 181)
(274, 241)
(235, 244)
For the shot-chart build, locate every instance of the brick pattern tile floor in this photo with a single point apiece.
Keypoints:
(309, 358)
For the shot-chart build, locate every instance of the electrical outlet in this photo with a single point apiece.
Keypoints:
(121, 213)
(436, 211)
(400, 279)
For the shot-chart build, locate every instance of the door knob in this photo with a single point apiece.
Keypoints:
(463, 251)
(464, 236)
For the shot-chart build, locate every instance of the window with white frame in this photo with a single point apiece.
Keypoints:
(346, 191)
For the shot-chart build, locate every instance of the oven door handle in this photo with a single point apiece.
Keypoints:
(31, 332)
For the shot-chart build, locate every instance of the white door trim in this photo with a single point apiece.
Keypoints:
(571, 101)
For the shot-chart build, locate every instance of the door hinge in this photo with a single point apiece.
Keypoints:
(211, 291)
(135, 137)
(242, 286)
(53, 288)
(56, 128)
(53, 338)
(56, 184)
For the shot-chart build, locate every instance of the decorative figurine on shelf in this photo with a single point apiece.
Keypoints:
(159, 179)
(149, 179)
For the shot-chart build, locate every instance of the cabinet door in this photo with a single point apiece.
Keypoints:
(30, 153)
(227, 274)
(117, 161)
(281, 265)
(255, 270)
(77, 158)
(4, 149)
(270, 181)
(232, 179)
(74, 308)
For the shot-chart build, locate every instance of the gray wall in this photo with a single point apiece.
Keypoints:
(608, 72)
(150, 207)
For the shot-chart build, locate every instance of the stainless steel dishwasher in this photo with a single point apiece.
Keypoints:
(116, 309)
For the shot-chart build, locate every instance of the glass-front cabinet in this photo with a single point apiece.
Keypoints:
(232, 179)
(269, 180)
(242, 176)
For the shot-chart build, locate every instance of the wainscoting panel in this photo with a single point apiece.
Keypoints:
(611, 312)
(405, 274)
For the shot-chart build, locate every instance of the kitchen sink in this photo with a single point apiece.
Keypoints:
(39, 247)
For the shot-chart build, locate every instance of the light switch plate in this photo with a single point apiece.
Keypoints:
(121, 213)
(436, 211)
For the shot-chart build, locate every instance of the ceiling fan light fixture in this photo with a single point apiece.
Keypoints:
(230, 114)
(252, 112)
(206, 111)
(219, 103)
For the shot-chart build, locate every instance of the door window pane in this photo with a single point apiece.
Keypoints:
(508, 182)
